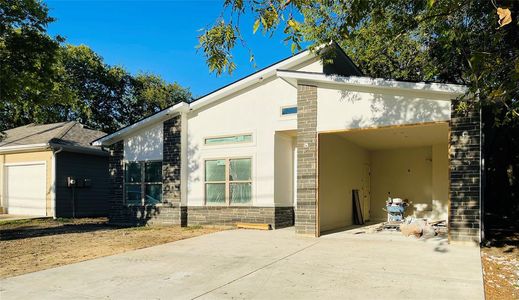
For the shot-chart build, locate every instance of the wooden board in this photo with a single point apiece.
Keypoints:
(260, 226)
(358, 218)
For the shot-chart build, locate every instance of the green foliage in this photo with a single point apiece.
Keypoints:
(217, 43)
(28, 58)
(44, 81)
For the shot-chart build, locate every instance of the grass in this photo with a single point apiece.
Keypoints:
(38, 244)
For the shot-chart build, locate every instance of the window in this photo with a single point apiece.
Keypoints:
(228, 181)
(289, 110)
(143, 182)
(231, 139)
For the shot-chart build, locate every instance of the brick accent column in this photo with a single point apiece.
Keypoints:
(171, 162)
(465, 175)
(115, 166)
(306, 213)
(171, 169)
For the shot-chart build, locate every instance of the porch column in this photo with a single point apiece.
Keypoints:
(306, 213)
(465, 175)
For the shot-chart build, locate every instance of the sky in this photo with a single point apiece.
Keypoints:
(159, 37)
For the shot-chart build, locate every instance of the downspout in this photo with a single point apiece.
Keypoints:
(53, 190)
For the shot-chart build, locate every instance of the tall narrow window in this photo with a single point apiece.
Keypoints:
(143, 183)
(215, 181)
(228, 181)
(133, 183)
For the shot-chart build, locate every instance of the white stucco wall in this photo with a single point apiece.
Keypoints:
(283, 169)
(346, 109)
(255, 110)
(341, 168)
(145, 145)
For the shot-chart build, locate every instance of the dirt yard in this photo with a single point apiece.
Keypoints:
(500, 259)
(33, 245)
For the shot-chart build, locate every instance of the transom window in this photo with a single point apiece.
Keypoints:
(230, 139)
(289, 110)
(228, 181)
(143, 182)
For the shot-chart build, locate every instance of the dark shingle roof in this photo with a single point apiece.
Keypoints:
(65, 133)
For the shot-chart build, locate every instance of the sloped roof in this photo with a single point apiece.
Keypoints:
(64, 133)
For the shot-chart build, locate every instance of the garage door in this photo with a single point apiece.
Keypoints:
(25, 189)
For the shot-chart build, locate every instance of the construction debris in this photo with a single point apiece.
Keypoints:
(422, 228)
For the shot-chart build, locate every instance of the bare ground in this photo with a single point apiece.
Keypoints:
(500, 260)
(32, 245)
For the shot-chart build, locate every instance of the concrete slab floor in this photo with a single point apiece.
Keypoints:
(245, 264)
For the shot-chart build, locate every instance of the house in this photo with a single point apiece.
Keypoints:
(52, 170)
(288, 144)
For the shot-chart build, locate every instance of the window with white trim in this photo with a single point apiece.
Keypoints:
(228, 181)
(143, 182)
(229, 139)
(289, 110)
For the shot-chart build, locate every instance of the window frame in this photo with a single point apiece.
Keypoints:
(204, 141)
(142, 184)
(289, 116)
(228, 182)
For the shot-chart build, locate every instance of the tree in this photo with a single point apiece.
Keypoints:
(44, 81)
(27, 58)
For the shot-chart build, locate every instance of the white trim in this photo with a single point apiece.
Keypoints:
(293, 77)
(27, 163)
(160, 116)
(21, 148)
(53, 185)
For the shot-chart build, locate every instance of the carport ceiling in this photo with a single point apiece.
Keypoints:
(398, 136)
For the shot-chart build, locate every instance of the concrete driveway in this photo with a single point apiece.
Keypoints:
(242, 264)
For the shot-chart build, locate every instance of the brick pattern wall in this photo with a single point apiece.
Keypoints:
(169, 212)
(465, 157)
(171, 162)
(116, 173)
(305, 217)
(277, 217)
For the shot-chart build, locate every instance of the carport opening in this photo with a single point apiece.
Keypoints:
(407, 162)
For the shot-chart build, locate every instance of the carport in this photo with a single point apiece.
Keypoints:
(408, 161)
(384, 136)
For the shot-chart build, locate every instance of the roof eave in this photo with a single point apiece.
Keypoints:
(158, 117)
(295, 77)
(24, 148)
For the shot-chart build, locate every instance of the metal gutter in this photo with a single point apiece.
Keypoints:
(22, 148)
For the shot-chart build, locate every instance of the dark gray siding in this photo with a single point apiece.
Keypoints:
(88, 201)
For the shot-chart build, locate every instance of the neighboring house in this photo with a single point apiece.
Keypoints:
(288, 144)
(52, 170)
